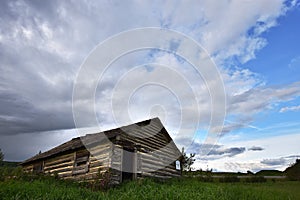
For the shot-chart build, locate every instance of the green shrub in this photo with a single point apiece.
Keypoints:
(256, 179)
(103, 181)
(229, 179)
(206, 178)
(10, 173)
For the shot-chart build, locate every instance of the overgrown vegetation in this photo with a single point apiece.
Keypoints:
(185, 188)
(256, 179)
(14, 184)
(103, 180)
(229, 179)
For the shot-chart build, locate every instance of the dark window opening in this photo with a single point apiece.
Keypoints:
(38, 167)
(81, 163)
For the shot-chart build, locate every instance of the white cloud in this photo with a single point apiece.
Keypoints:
(228, 24)
(291, 108)
(260, 98)
(43, 44)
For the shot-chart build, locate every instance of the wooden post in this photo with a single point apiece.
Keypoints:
(135, 163)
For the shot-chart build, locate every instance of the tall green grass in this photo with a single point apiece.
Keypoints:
(185, 188)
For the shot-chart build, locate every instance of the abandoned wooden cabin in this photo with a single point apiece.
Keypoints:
(129, 152)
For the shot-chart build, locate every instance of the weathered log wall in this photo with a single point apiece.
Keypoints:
(116, 164)
(64, 165)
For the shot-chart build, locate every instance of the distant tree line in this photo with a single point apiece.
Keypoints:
(293, 172)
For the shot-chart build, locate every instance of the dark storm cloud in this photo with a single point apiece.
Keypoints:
(23, 146)
(229, 152)
(215, 151)
(280, 161)
(272, 162)
(254, 148)
(42, 45)
(20, 116)
(36, 80)
(29, 100)
(293, 156)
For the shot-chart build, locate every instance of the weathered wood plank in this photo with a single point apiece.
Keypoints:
(100, 164)
(63, 164)
(100, 157)
(59, 160)
(59, 170)
(99, 151)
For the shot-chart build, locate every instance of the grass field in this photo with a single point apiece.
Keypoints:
(187, 188)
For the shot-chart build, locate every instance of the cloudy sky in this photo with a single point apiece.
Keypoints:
(254, 45)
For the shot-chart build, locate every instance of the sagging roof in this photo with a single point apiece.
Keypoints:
(76, 143)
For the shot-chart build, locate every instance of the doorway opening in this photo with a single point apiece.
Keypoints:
(128, 164)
